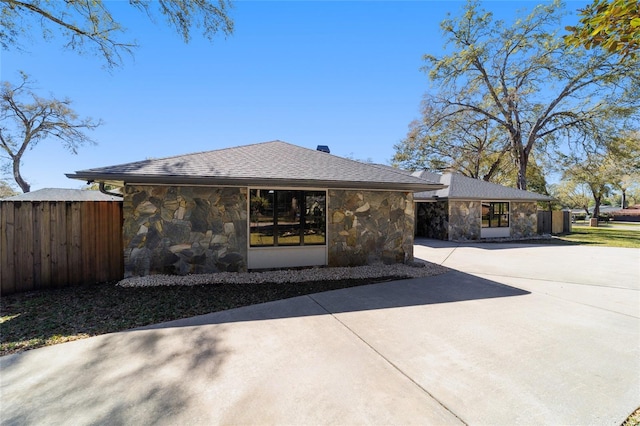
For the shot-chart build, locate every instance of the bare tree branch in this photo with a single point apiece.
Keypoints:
(26, 120)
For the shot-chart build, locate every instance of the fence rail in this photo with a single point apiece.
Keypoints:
(49, 244)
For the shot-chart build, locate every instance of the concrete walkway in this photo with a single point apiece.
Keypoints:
(514, 334)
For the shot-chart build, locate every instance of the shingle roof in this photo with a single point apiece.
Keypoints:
(62, 194)
(268, 163)
(465, 188)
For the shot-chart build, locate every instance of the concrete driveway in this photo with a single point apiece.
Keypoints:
(514, 334)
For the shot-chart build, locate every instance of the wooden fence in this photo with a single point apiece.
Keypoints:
(554, 222)
(49, 244)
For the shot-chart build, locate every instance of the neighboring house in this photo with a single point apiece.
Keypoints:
(472, 209)
(62, 194)
(630, 214)
(267, 205)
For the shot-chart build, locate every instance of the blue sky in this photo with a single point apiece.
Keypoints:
(343, 74)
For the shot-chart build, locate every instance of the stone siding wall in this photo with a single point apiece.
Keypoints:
(524, 219)
(366, 227)
(183, 230)
(465, 220)
(433, 220)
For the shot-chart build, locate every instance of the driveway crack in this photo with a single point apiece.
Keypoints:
(388, 361)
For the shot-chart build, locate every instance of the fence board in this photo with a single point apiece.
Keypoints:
(74, 237)
(557, 222)
(24, 250)
(102, 263)
(117, 244)
(37, 244)
(61, 238)
(88, 218)
(53, 244)
(45, 243)
(7, 254)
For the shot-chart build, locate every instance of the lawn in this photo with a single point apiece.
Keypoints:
(609, 235)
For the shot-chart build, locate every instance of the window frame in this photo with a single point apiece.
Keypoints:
(278, 208)
(494, 215)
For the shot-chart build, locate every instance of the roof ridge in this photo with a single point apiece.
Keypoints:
(169, 157)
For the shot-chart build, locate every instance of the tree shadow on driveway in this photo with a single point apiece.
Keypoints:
(450, 287)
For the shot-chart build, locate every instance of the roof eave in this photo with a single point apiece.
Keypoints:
(275, 182)
(542, 198)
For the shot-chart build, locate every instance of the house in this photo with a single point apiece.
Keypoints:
(266, 205)
(62, 194)
(472, 209)
(630, 214)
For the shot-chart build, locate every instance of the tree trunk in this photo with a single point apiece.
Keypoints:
(624, 199)
(521, 164)
(24, 185)
(596, 208)
(521, 157)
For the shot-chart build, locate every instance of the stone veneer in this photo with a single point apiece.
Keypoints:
(465, 220)
(183, 230)
(366, 227)
(432, 220)
(524, 219)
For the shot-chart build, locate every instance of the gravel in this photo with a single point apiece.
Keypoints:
(415, 269)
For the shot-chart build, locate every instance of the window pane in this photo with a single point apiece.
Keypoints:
(503, 215)
(315, 217)
(262, 226)
(288, 218)
(486, 214)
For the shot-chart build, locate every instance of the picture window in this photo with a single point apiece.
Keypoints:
(287, 217)
(495, 214)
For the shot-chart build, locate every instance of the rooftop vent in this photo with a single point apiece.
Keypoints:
(323, 148)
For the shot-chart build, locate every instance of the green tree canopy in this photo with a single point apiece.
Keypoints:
(525, 87)
(614, 164)
(613, 25)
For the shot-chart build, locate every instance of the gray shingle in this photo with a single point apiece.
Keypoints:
(465, 188)
(62, 194)
(268, 163)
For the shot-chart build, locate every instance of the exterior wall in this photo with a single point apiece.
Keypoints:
(524, 219)
(432, 220)
(183, 230)
(369, 226)
(465, 220)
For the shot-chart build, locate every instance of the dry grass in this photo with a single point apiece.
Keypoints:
(36, 319)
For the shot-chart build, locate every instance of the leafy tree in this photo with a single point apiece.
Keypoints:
(572, 194)
(613, 25)
(626, 174)
(523, 81)
(6, 190)
(90, 26)
(591, 172)
(464, 143)
(27, 119)
(605, 168)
